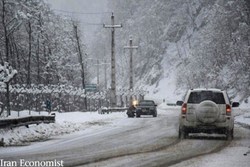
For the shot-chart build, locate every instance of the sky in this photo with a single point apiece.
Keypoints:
(88, 12)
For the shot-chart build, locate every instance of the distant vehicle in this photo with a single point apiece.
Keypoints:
(207, 111)
(146, 107)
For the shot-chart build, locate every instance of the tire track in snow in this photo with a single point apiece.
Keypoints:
(166, 156)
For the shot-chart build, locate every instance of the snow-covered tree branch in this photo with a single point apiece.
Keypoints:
(7, 73)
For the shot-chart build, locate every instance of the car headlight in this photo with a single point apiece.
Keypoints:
(135, 102)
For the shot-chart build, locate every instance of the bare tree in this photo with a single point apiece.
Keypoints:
(80, 61)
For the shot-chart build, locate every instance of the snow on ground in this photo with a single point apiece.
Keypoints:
(70, 122)
(236, 154)
(243, 118)
(228, 157)
(65, 123)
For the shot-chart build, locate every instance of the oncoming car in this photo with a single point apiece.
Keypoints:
(206, 111)
(146, 107)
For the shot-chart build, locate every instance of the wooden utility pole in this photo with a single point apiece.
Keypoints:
(131, 69)
(113, 70)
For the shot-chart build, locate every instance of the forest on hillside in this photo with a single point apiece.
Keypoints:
(205, 42)
(39, 44)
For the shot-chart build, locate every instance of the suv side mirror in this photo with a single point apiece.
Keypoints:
(235, 104)
(179, 103)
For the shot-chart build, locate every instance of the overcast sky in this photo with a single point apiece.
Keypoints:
(96, 7)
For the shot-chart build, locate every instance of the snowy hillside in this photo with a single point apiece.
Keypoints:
(183, 44)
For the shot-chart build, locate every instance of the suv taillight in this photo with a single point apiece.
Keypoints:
(228, 109)
(184, 108)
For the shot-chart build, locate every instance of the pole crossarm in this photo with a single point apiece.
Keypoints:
(131, 47)
(112, 26)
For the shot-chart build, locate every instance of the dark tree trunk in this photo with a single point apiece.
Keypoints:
(29, 56)
(38, 61)
(81, 63)
(5, 31)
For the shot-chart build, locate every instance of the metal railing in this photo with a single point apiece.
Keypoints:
(26, 121)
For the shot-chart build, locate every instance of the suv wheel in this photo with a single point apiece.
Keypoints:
(138, 115)
(155, 114)
(230, 134)
(183, 134)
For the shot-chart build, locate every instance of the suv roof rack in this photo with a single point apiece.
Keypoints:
(209, 89)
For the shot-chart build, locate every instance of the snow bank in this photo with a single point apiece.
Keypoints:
(65, 123)
(243, 118)
(245, 104)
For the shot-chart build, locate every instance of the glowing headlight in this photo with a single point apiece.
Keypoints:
(135, 102)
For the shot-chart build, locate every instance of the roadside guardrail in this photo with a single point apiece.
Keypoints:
(26, 121)
(110, 110)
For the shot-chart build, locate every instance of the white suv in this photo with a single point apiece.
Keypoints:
(207, 111)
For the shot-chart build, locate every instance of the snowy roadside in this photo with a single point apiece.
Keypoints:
(243, 118)
(70, 122)
(65, 123)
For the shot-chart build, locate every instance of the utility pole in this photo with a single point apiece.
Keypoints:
(131, 69)
(113, 70)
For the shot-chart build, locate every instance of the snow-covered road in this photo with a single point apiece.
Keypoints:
(145, 141)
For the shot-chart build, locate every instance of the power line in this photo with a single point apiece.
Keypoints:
(70, 17)
(91, 24)
(69, 14)
(82, 13)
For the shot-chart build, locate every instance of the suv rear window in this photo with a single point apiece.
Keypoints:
(146, 103)
(197, 97)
